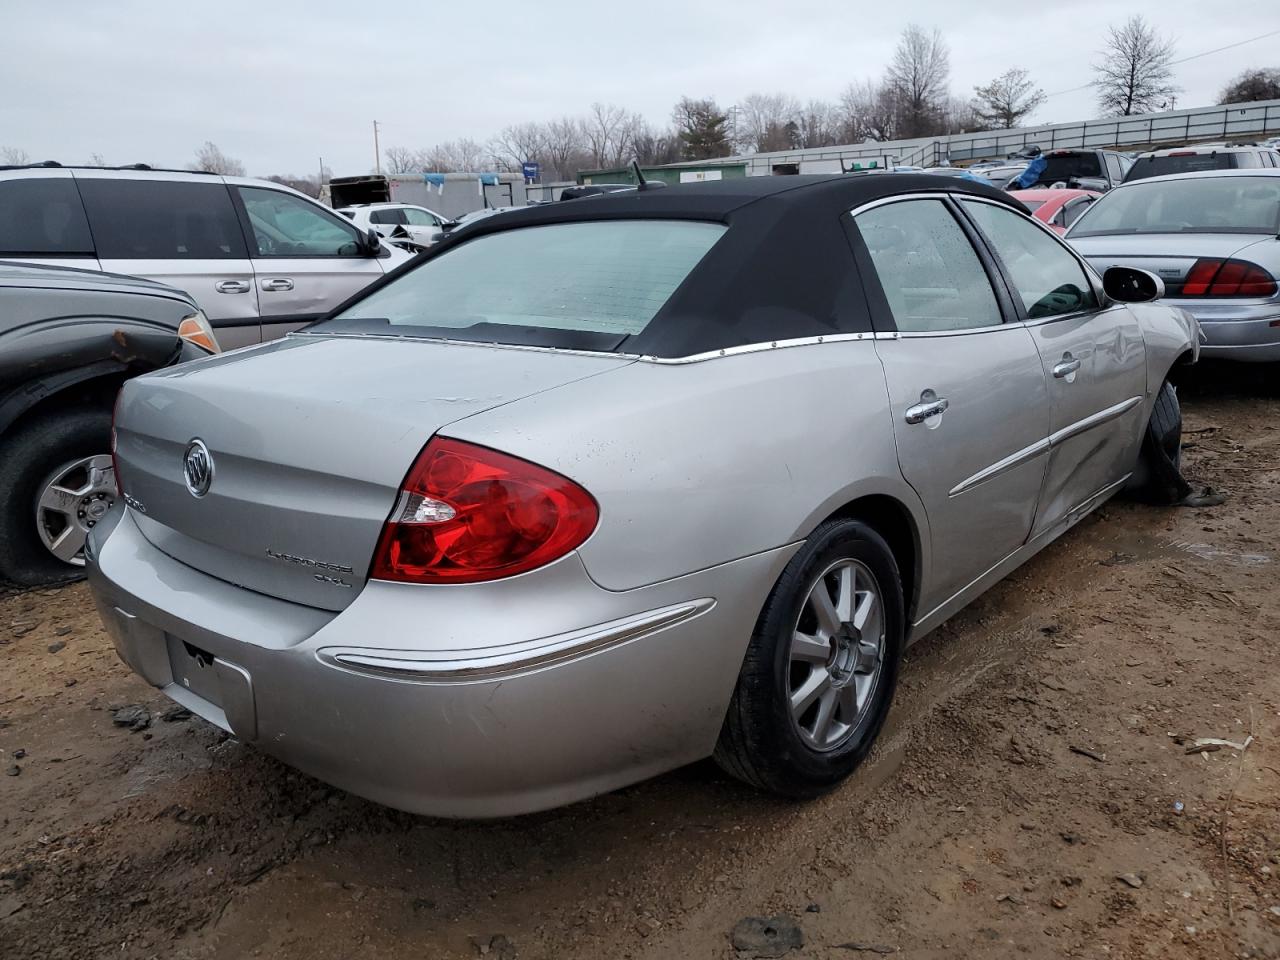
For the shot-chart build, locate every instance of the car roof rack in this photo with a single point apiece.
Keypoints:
(45, 164)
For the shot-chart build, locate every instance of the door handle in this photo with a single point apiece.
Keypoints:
(1065, 367)
(232, 286)
(277, 284)
(930, 405)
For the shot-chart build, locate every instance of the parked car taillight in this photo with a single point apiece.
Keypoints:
(1213, 277)
(467, 514)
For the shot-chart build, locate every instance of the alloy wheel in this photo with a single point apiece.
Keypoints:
(71, 501)
(836, 655)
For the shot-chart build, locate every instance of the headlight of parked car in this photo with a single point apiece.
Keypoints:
(195, 329)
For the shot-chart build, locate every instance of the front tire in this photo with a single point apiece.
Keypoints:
(821, 668)
(55, 482)
(1158, 476)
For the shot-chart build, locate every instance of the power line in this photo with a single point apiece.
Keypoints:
(1174, 63)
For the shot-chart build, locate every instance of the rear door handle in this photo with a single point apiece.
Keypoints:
(930, 405)
(1065, 367)
(277, 283)
(232, 286)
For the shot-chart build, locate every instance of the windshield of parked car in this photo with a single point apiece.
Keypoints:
(1230, 204)
(576, 285)
(1180, 163)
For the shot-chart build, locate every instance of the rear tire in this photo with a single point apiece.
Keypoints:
(29, 456)
(771, 739)
(1158, 479)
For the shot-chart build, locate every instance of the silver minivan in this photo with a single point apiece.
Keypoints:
(259, 258)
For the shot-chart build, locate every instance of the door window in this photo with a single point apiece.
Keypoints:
(162, 220)
(287, 226)
(1115, 168)
(1072, 210)
(930, 273)
(43, 217)
(1045, 274)
(420, 218)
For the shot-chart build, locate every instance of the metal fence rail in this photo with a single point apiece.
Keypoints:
(1241, 121)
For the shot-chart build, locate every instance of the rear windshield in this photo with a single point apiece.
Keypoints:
(1230, 204)
(582, 286)
(1070, 167)
(1158, 166)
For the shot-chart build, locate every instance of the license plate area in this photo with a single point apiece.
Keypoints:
(194, 669)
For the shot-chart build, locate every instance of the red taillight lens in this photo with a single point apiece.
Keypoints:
(1211, 277)
(468, 514)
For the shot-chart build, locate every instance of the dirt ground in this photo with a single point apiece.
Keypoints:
(1038, 791)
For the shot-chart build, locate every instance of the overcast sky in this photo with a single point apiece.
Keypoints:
(279, 84)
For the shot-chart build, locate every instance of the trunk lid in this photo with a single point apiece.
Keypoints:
(310, 438)
(1169, 256)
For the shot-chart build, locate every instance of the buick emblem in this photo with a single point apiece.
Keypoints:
(197, 468)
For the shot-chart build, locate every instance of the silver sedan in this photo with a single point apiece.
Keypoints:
(598, 489)
(1213, 237)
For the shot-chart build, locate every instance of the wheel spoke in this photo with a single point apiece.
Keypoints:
(823, 608)
(59, 500)
(848, 591)
(868, 656)
(814, 686)
(826, 712)
(809, 649)
(866, 607)
(68, 543)
(849, 705)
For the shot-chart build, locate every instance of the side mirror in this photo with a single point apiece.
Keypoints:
(372, 243)
(1131, 285)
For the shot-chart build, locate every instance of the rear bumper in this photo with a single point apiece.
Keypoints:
(1236, 331)
(462, 701)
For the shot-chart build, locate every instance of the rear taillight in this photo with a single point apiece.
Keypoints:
(1212, 277)
(115, 461)
(468, 514)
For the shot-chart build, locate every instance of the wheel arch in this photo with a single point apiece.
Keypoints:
(894, 521)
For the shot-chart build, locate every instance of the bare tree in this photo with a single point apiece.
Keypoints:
(210, 159)
(14, 156)
(818, 125)
(454, 156)
(919, 75)
(563, 152)
(760, 122)
(1252, 85)
(95, 160)
(867, 111)
(653, 148)
(310, 185)
(1008, 99)
(401, 160)
(515, 144)
(1134, 75)
(605, 132)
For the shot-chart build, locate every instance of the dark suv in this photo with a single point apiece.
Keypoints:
(1084, 169)
(68, 339)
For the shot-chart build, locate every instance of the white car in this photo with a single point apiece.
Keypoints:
(398, 221)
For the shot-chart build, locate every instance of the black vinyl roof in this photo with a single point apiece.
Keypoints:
(783, 270)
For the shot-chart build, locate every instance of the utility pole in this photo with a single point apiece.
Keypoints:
(377, 153)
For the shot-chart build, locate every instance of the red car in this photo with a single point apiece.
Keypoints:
(1058, 208)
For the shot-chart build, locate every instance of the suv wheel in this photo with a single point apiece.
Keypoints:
(56, 482)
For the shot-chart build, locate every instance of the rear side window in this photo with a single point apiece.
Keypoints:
(1069, 166)
(1048, 278)
(42, 216)
(162, 220)
(1115, 167)
(386, 216)
(586, 285)
(929, 271)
